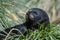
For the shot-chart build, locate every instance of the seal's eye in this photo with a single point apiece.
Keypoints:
(35, 13)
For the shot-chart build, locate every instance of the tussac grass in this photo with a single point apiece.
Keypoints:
(49, 33)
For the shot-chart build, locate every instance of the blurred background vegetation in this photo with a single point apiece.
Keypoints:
(12, 12)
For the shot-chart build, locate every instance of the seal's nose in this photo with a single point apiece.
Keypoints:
(31, 17)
